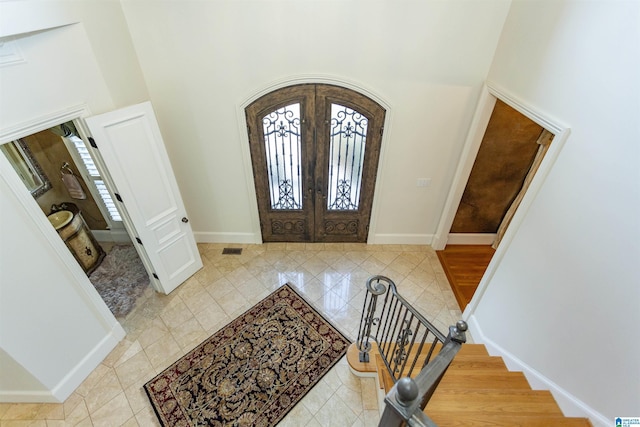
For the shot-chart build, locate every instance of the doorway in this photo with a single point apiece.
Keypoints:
(314, 151)
(57, 159)
(509, 154)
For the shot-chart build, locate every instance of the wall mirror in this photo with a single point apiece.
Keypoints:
(26, 166)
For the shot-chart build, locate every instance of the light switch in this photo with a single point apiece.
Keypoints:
(423, 182)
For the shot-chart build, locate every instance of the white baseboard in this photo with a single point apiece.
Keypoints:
(471, 238)
(74, 378)
(27, 397)
(401, 239)
(212, 237)
(570, 405)
(252, 238)
(116, 236)
(91, 361)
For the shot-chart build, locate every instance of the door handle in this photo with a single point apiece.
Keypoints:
(185, 219)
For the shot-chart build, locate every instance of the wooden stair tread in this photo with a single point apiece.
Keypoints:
(479, 391)
(481, 380)
(498, 402)
(446, 419)
(478, 362)
(473, 349)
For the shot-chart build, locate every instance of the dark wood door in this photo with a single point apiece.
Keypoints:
(315, 151)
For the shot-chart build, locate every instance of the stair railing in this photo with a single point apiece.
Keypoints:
(408, 397)
(407, 343)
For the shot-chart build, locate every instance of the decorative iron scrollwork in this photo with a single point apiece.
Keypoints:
(288, 227)
(286, 199)
(281, 131)
(348, 135)
(341, 227)
(400, 353)
(342, 200)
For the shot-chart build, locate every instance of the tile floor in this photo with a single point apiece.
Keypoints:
(162, 328)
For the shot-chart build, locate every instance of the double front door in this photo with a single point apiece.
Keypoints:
(315, 151)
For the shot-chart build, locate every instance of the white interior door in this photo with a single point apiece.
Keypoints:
(134, 154)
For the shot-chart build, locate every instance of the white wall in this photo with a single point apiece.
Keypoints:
(17, 379)
(52, 322)
(54, 328)
(425, 59)
(105, 30)
(565, 298)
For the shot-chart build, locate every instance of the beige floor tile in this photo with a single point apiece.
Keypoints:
(317, 397)
(24, 411)
(75, 411)
(369, 387)
(115, 412)
(298, 416)
(231, 302)
(161, 354)
(351, 399)
(131, 422)
(134, 370)
(212, 318)
(137, 397)
(335, 413)
(147, 418)
(106, 389)
(23, 423)
(92, 380)
(332, 277)
(51, 411)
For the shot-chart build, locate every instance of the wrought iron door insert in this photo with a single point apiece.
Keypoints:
(315, 151)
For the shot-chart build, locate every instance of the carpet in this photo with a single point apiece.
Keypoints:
(120, 279)
(253, 371)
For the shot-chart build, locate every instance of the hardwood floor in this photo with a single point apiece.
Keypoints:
(464, 266)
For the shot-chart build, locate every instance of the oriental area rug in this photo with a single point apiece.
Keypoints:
(252, 371)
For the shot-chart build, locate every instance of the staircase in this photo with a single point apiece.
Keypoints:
(478, 391)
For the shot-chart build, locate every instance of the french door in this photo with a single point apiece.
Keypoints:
(314, 150)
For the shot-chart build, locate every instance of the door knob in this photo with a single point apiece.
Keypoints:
(185, 219)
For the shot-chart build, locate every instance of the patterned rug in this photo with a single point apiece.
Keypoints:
(252, 371)
(120, 279)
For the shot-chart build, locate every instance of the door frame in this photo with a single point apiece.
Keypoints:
(246, 152)
(91, 296)
(490, 93)
(76, 114)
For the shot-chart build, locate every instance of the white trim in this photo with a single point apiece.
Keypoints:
(35, 396)
(222, 237)
(74, 378)
(490, 93)
(570, 405)
(113, 235)
(471, 238)
(552, 125)
(41, 123)
(310, 79)
(518, 217)
(88, 364)
(467, 158)
(401, 239)
(81, 284)
(10, 52)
